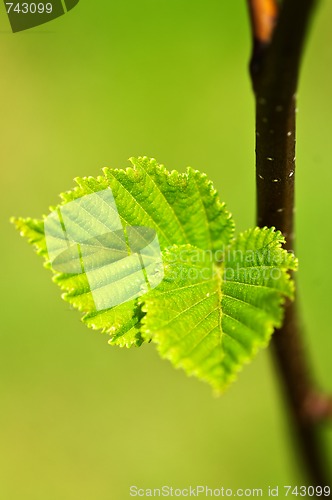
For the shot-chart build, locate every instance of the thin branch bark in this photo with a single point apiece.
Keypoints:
(278, 42)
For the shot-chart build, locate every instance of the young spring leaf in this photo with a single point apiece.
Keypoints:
(220, 298)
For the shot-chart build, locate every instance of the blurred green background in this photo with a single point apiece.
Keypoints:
(166, 79)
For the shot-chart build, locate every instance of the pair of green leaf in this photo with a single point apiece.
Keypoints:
(221, 297)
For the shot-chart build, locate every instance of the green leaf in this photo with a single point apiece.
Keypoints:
(220, 298)
(211, 317)
(181, 208)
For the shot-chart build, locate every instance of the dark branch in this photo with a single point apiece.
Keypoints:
(274, 69)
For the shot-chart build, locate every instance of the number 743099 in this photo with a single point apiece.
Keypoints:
(310, 491)
(32, 8)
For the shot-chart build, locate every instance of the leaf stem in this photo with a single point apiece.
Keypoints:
(278, 42)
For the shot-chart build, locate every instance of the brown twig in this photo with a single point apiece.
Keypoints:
(278, 41)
